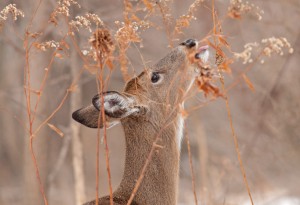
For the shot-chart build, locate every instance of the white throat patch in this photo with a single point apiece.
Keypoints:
(179, 127)
(179, 130)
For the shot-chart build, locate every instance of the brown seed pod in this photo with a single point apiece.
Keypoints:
(102, 42)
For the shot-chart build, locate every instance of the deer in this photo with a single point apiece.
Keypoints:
(150, 104)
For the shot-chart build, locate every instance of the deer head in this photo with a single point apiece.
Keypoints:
(153, 93)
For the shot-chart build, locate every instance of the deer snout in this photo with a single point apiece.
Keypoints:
(190, 43)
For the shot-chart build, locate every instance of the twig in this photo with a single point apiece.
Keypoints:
(229, 111)
(236, 142)
(61, 157)
(27, 83)
(191, 167)
(165, 21)
(100, 85)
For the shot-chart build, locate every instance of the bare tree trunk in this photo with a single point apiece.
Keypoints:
(10, 107)
(202, 143)
(76, 142)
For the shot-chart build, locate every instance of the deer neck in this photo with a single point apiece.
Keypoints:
(159, 185)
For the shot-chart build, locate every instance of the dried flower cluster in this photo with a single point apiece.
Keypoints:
(269, 46)
(184, 20)
(205, 79)
(46, 45)
(10, 9)
(63, 8)
(127, 33)
(165, 12)
(238, 7)
(86, 22)
(246, 55)
(275, 45)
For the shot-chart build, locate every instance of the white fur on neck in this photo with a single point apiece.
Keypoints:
(180, 120)
(179, 127)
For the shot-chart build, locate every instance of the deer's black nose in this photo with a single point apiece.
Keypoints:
(189, 43)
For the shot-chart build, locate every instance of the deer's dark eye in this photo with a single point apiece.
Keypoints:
(155, 77)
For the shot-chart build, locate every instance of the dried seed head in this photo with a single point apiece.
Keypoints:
(86, 21)
(12, 10)
(102, 42)
(185, 20)
(246, 55)
(237, 8)
(268, 46)
(44, 46)
(275, 45)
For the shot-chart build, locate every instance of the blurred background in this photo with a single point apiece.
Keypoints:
(266, 120)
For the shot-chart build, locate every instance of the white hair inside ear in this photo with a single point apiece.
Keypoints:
(116, 105)
(114, 102)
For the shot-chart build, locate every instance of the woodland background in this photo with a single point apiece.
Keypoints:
(266, 120)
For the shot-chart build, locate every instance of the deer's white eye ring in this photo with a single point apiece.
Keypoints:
(156, 77)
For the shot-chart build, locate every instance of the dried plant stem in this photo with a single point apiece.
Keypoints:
(246, 70)
(200, 105)
(97, 160)
(106, 146)
(52, 114)
(43, 83)
(100, 82)
(37, 172)
(236, 141)
(165, 21)
(191, 167)
(42, 86)
(228, 108)
(34, 14)
(27, 84)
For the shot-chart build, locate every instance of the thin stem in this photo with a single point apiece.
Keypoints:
(27, 84)
(229, 111)
(105, 138)
(236, 141)
(191, 167)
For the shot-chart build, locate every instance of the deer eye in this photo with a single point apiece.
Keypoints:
(155, 77)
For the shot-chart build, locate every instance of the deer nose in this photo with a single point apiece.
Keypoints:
(189, 43)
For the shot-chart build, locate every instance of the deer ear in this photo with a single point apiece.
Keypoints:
(118, 106)
(89, 116)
